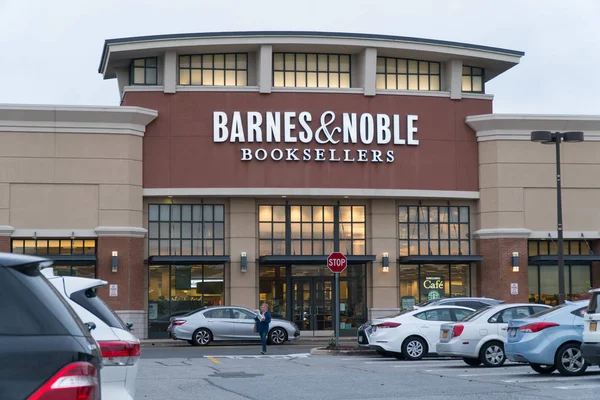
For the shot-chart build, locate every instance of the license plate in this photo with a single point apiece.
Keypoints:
(444, 334)
(593, 326)
(512, 332)
(360, 340)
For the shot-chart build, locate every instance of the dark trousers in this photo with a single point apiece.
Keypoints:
(263, 340)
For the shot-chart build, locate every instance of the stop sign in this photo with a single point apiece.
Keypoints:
(337, 262)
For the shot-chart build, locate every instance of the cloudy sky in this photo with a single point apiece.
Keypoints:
(50, 50)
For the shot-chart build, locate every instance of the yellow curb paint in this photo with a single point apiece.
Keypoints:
(213, 360)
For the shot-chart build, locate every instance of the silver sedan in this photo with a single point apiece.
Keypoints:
(221, 323)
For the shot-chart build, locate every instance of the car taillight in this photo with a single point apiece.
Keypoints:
(388, 325)
(119, 353)
(537, 326)
(457, 330)
(76, 381)
(178, 322)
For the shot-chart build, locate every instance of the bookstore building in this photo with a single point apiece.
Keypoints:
(237, 162)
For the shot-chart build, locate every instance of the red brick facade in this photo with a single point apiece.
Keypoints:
(595, 245)
(130, 276)
(5, 244)
(495, 272)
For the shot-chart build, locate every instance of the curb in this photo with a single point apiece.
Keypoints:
(357, 352)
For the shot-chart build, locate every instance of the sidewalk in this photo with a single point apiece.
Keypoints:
(301, 339)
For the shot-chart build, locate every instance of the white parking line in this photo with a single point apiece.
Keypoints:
(282, 356)
(546, 378)
(577, 387)
(492, 373)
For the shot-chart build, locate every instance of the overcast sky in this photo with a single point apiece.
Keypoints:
(50, 50)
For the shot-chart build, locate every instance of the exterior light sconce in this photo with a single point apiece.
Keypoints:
(515, 261)
(115, 261)
(385, 262)
(244, 262)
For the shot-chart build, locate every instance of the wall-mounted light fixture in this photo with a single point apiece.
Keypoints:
(115, 261)
(244, 262)
(515, 261)
(385, 262)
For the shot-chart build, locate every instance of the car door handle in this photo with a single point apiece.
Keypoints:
(424, 326)
(504, 329)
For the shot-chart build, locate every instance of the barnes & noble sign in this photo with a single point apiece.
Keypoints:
(328, 129)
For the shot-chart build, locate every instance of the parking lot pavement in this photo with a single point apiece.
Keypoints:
(301, 376)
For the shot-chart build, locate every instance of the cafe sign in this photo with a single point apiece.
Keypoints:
(334, 131)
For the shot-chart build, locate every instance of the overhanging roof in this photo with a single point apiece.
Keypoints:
(569, 259)
(509, 57)
(312, 260)
(456, 259)
(187, 260)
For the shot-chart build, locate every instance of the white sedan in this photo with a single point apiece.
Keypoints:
(412, 333)
(480, 337)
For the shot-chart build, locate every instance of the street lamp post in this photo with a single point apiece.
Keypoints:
(547, 137)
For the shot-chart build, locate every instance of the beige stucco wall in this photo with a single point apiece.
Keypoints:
(70, 181)
(518, 185)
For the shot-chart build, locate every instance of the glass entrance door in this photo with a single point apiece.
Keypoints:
(313, 303)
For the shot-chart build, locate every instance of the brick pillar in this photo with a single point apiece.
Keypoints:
(130, 277)
(495, 272)
(595, 245)
(5, 232)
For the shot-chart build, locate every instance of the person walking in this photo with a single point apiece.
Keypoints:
(263, 319)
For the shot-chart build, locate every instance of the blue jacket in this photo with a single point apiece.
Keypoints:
(263, 326)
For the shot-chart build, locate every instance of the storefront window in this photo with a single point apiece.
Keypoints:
(311, 230)
(420, 283)
(177, 289)
(188, 229)
(432, 230)
(434, 281)
(273, 290)
(543, 279)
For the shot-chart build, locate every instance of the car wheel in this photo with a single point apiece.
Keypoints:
(414, 348)
(543, 369)
(569, 360)
(473, 362)
(277, 336)
(492, 354)
(202, 337)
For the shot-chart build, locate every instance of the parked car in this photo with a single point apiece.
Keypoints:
(590, 348)
(120, 348)
(471, 302)
(46, 351)
(220, 323)
(479, 338)
(412, 334)
(549, 340)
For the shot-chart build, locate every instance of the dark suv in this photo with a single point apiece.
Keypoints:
(46, 351)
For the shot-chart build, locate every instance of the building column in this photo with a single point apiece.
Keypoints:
(5, 233)
(242, 287)
(495, 273)
(383, 286)
(595, 283)
(130, 276)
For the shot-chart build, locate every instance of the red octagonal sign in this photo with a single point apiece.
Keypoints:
(337, 262)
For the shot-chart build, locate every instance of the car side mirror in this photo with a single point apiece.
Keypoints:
(90, 325)
(129, 326)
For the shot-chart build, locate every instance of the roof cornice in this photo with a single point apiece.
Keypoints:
(75, 119)
(305, 34)
(519, 126)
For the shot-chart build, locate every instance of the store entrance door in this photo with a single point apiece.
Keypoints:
(313, 303)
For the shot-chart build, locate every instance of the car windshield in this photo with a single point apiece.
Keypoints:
(476, 314)
(548, 311)
(397, 314)
(193, 312)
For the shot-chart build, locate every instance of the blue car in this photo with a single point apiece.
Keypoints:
(549, 340)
